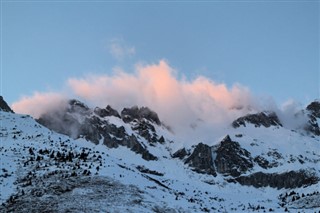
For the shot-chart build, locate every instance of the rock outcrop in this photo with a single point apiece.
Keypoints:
(181, 153)
(117, 136)
(226, 158)
(79, 121)
(4, 106)
(313, 110)
(292, 179)
(108, 111)
(231, 159)
(129, 114)
(143, 121)
(265, 119)
(75, 106)
(201, 160)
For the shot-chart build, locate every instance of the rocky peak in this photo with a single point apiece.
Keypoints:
(108, 111)
(130, 114)
(226, 158)
(314, 108)
(4, 106)
(181, 153)
(201, 159)
(313, 112)
(231, 159)
(79, 121)
(77, 106)
(265, 119)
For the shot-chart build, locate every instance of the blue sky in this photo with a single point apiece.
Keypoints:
(270, 47)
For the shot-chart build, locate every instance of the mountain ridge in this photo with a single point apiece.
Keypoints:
(136, 155)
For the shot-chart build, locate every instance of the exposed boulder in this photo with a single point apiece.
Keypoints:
(129, 114)
(265, 119)
(4, 106)
(201, 160)
(161, 139)
(292, 179)
(231, 159)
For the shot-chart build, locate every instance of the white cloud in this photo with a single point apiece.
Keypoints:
(187, 106)
(120, 50)
(291, 115)
(194, 109)
(39, 103)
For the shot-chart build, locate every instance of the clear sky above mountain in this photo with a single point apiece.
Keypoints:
(270, 47)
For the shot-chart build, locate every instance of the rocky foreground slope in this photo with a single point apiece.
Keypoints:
(78, 159)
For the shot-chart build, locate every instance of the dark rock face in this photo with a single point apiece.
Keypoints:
(143, 120)
(91, 129)
(292, 179)
(181, 153)
(143, 169)
(313, 126)
(314, 113)
(108, 111)
(78, 107)
(231, 159)
(146, 130)
(260, 119)
(77, 120)
(314, 108)
(227, 158)
(262, 162)
(201, 160)
(115, 136)
(129, 114)
(4, 106)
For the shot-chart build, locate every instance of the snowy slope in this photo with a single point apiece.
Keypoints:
(120, 179)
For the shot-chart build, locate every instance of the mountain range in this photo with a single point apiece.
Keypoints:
(81, 159)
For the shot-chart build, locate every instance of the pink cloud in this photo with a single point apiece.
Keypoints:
(156, 86)
(39, 103)
(191, 108)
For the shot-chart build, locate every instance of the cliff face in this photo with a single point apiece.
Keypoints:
(4, 106)
(313, 111)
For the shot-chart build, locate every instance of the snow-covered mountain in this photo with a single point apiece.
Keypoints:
(78, 159)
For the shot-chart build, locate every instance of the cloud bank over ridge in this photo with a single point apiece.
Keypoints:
(199, 105)
(156, 86)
